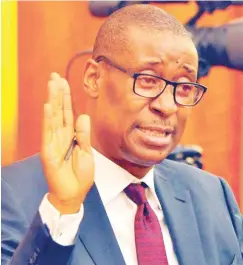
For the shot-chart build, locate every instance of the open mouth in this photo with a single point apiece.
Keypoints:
(155, 136)
(156, 132)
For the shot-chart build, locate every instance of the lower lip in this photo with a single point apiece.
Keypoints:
(154, 140)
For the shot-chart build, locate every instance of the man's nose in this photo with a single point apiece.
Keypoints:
(164, 103)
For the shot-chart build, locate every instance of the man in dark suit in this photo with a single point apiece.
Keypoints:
(101, 199)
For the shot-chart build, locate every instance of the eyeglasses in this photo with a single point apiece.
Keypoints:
(151, 86)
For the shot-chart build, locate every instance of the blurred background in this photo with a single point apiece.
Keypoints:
(41, 37)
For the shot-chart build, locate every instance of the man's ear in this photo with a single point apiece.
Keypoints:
(91, 77)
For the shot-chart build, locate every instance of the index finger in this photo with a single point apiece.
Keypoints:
(67, 106)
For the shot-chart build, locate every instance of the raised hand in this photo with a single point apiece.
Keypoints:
(68, 180)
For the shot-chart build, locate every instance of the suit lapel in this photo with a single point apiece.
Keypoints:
(96, 233)
(179, 215)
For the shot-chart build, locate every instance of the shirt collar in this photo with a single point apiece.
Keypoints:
(112, 179)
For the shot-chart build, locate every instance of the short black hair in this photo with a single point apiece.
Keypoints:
(112, 38)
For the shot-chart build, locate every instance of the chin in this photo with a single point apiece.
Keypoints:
(146, 156)
(148, 147)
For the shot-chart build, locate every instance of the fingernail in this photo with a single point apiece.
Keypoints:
(55, 75)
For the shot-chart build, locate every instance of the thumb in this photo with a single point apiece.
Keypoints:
(83, 131)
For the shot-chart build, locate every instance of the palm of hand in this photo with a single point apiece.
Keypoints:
(68, 180)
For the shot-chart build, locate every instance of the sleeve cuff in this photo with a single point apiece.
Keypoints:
(63, 228)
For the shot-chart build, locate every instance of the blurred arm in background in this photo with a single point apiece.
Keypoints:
(219, 46)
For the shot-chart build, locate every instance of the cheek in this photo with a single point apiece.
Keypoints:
(116, 92)
(118, 104)
(111, 117)
(182, 118)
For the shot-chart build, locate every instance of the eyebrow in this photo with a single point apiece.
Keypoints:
(151, 62)
(155, 61)
(189, 69)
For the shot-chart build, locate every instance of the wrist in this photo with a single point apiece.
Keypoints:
(64, 206)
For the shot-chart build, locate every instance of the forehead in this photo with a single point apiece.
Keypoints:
(159, 47)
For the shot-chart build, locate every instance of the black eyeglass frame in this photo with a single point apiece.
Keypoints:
(167, 82)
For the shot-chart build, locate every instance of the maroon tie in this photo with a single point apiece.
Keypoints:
(148, 236)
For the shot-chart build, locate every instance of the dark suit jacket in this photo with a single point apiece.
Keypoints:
(200, 211)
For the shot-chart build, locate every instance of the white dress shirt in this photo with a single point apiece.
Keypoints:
(111, 180)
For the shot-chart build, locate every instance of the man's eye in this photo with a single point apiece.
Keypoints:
(148, 81)
(185, 89)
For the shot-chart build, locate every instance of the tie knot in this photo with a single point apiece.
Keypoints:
(136, 192)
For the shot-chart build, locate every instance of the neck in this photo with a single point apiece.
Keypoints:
(136, 170)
